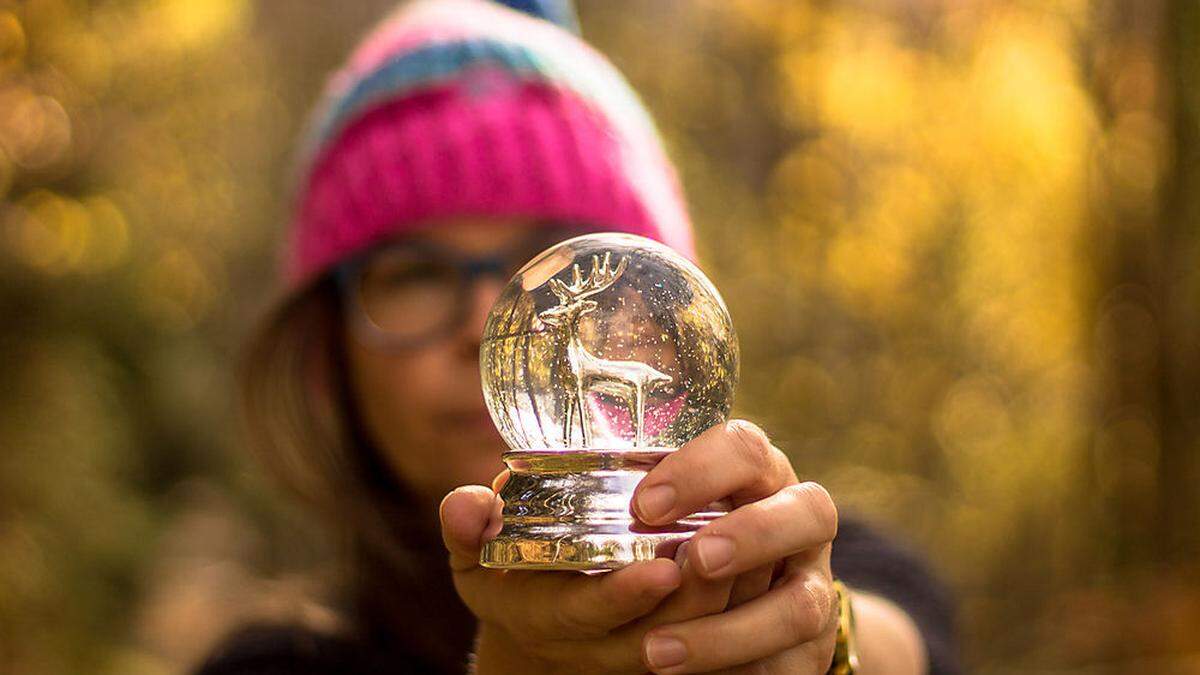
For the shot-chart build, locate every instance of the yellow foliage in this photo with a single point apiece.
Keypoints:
(923, 216)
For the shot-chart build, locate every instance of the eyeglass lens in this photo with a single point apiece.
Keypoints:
(409, 293)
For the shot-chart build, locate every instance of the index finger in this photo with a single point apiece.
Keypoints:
(734, 460)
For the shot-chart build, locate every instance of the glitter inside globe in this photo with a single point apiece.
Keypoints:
(611, 342)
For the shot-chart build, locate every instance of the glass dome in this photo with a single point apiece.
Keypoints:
(608, 341)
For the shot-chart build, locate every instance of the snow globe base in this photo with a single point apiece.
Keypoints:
(569, 510)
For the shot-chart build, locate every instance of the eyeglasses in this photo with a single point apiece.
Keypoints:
(410, 293)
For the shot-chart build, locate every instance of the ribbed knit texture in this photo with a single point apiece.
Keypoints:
(463, 108)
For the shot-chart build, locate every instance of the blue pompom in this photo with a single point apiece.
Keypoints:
(561, 12)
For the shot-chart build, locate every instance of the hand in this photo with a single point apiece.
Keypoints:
(564, 621)
(774, 546)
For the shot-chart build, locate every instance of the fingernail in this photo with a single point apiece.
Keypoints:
(714, 553)
(654, 503)
(681, 554)
(664, 652)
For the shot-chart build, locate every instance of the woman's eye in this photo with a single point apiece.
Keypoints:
(410, 276)
(398, 278)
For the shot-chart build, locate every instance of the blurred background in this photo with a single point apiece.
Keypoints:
(959, 239)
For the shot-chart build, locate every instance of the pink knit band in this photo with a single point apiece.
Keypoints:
(420, 159)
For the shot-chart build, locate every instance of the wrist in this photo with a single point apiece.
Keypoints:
(888, 640)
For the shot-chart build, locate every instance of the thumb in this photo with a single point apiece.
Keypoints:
(470, 515)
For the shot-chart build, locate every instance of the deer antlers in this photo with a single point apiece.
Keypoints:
(601, 277)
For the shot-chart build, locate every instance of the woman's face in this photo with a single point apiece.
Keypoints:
(423, 406)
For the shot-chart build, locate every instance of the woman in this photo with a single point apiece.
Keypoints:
(461, 138)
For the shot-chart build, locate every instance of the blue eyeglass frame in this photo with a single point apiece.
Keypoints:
(348, 275)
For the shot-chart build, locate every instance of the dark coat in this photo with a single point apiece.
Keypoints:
(441, 631)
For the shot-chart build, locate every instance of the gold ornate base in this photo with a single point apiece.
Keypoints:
(569, 510)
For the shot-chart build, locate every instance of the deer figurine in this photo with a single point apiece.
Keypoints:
(628, 380)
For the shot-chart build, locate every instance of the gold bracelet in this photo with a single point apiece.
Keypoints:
(845, 655)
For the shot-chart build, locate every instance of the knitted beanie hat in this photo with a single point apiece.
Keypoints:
(467, 108)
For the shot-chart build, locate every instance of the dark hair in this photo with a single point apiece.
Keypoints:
(300, 421)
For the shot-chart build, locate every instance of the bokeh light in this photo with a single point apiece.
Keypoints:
(959, 241)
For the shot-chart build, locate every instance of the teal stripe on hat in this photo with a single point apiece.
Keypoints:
(424, 67)
(443, 62)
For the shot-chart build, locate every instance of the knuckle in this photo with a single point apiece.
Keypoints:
(820, 507)
(751, 443)
(806, 610)
(795, 496)
(824, 602)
